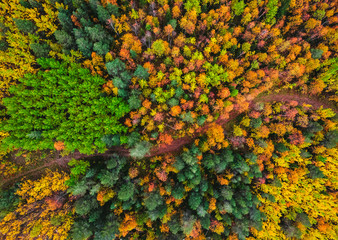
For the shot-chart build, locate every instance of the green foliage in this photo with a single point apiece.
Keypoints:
(152, 201)
(319, 14)
(158, 212)
(204, 98)
(108, 177)
(96, 33)
(35, 231)
(126, 191)
(173, 102)
(314, 127)
(331, 139)
(280, 147)
(84, 205)
(187, 222)
(63, 38)
(56, 221)
(34, 135)
(88, 34)
(8, 201)
(40, 50)
(241, 228)
(101, 48)
(78, 167)
(109, 230)
(316, 53)
(85, 46)
(331, 74)
(148, 27)
(218, 163)
(134, 102)
(256, 122)
(103, 173)
(174, 225)
(192, 5)
(213, 46)
(234, 93)
(103, 14)
(205, 222)
(173, 23)
(195, 200)
(79, 188)
(235, 200)
(255, 65)
(303, 219)
(187, 117)
(178, 192)
(314, 172)
(283, 8)
(238, 7)
(133, 54)
(290, 230)
(65, 20)
(272, 11)
(64, 103)
(216, 74)
(3, 45)
(246, 47)
(111, 140)
(121, 77)
(25, 26)
(141, 72)
(81, 231)
(201, 120)
(227, 193)
(179, 92)
(140, 150)
(133, 139)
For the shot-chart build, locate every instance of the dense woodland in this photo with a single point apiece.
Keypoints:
(168, 119)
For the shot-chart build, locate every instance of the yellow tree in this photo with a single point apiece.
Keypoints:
(17, 59)
(44, 210)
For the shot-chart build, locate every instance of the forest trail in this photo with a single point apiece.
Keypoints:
(300, 98)
(63, 163)
(59, 161)
(179, 143)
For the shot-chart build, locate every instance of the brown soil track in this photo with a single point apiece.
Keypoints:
(179, 143)
(301, 99)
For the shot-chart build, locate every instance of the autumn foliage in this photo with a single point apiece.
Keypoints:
(159, 108)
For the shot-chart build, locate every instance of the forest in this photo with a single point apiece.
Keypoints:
(169, 119)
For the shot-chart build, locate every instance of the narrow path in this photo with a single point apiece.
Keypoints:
(178, 144)
(59, 161)
(63, 162)
(301, 99)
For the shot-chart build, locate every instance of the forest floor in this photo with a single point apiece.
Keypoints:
(177, 144)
